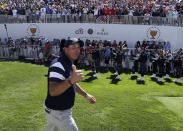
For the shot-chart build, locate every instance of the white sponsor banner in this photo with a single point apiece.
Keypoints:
(119, 32)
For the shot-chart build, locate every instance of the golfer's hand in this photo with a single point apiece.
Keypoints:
(91, 98)
(77, 75)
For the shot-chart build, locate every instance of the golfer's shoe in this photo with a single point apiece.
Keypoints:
(141, 78)
(95, 75)
(136, 74)
(160, 80)
(116, 73)
(153, 76)
(167, 76)
(176, 80)
(117, 77)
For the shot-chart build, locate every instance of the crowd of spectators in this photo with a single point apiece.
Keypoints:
(109, 11)
(156, 57)
(32, 47)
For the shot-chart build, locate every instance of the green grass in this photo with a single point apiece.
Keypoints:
(125, 106)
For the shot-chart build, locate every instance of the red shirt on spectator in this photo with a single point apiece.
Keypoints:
(148, 10)
(106, 11)
(114, 45)
(90, 49)
(47, 46)
(139, 5)
(113, 12)
(81, 51)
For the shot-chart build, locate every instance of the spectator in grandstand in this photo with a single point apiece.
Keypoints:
(133, 12)
(63, 78)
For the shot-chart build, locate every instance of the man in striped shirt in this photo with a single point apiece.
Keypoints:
(63, 78)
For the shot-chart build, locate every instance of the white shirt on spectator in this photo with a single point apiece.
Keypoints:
(14, 11)
(68, 12)
(64, 12)
(95, 12)
(85, 10)
(43, 11)
(130, 12)
(175, 14)
(73, 6)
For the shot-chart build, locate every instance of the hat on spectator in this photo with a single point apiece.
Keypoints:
(73, 41)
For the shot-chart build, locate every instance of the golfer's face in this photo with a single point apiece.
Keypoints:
(73, 51)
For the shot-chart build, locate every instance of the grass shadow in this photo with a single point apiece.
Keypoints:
(160, 82)
(89, 79)
(114, 81)
(46, 75)
(140, 82)
(170, 95)
(86, 68)
(178, 83)
(168, 80)
(90, 74)
(133, 77)
(111, 77)
(154, 79)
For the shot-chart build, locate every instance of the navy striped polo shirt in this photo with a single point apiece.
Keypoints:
(59, 70)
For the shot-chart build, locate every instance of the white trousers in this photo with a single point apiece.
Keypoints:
(60, 121)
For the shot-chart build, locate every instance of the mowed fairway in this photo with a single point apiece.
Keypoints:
(124, 106)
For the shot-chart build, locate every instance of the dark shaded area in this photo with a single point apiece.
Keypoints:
(114, 81)
(140, 82)
(89, 79)
(90, 74)
(127, 71)
(160, 82)
(170, 95)
(48, 60)
(111, 77)
(154, 79)
(133, 77)
(178, 83)
(168, 80)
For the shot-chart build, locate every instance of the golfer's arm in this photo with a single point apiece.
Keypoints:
(80, 91)
(56, 89)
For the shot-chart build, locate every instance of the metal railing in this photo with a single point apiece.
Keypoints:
(90, 18)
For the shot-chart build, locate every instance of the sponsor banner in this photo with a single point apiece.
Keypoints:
(118, 32)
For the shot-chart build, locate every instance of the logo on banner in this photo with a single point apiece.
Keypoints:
(102, 32)
(33, 30)
(90, 31)
(153, 33)
(79, 31)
